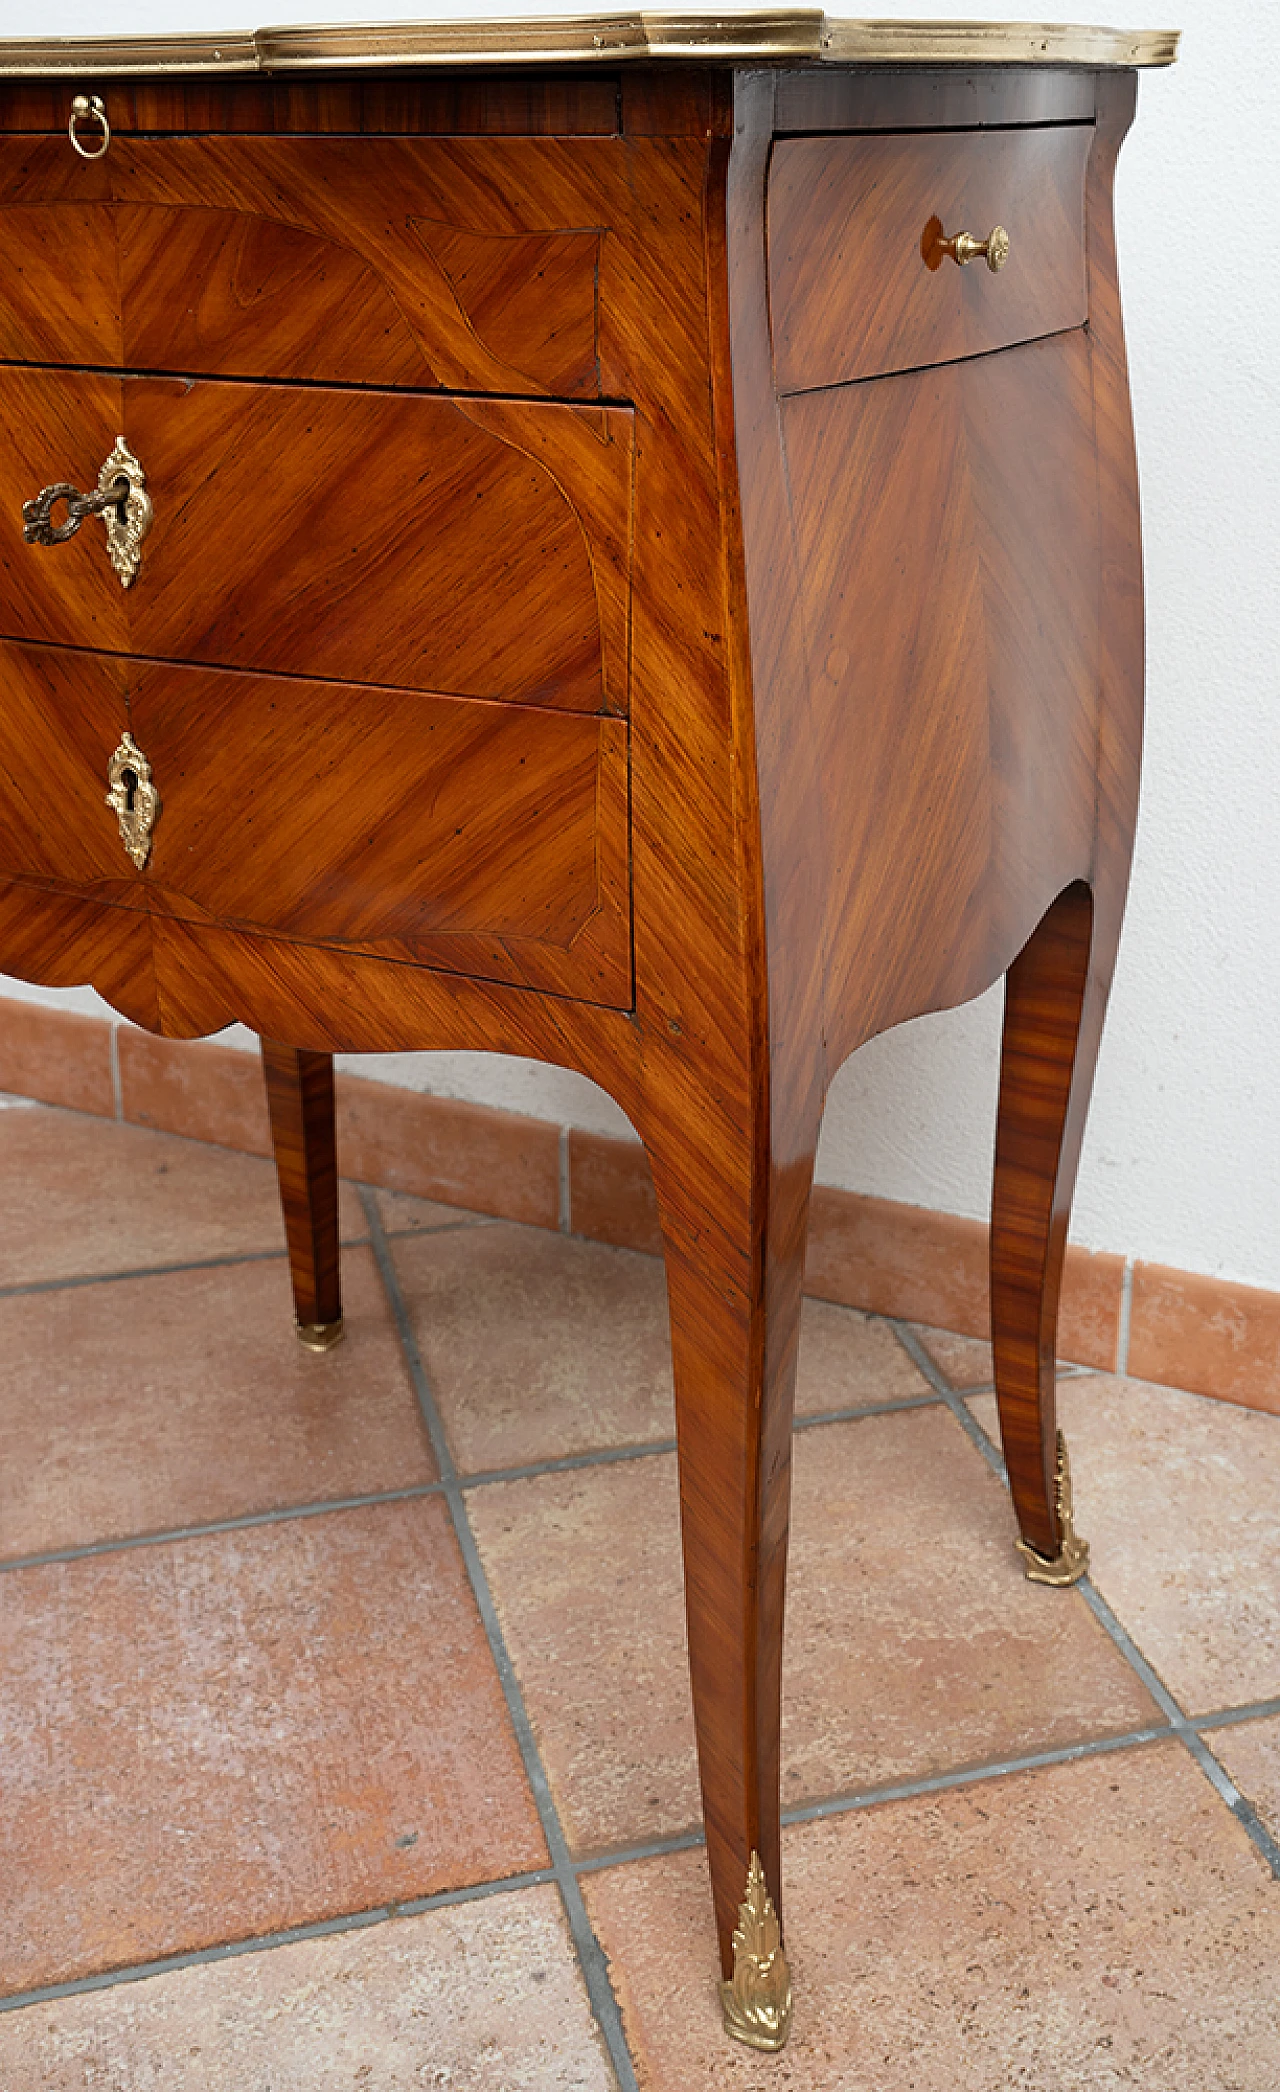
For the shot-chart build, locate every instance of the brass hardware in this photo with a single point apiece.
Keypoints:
(756, 2001)
(133, 798)
(787, 32)
(963, 248)
(1072, 1558)
(88, 108)
(121, 500)
(320, 1336)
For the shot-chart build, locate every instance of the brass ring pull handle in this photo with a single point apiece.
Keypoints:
(963, 248)
(88, 108)
(120, 499)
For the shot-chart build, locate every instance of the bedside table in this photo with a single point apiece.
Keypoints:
(611, 541)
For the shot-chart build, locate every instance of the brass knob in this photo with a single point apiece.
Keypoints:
(962, 248)
(88, 108)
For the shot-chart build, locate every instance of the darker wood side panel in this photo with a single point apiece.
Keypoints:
(946, 526)
(836, 98)
(1059, 990)
(300, 1103)
(562, 104)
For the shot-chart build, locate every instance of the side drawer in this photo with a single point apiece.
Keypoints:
(857, 287)
(482, 839)
(385, 261)
(475, 548)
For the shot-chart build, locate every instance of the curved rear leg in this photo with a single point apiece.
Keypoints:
(1055, 999)
(300, 1103)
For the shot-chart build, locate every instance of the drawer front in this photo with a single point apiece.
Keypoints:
(384, 261)
(475, 548)
(483, 839)
(857, 287)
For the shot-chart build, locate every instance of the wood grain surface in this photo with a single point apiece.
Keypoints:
(878, 645)
(1057, 993)
(474, 548)
(856, 285)
(363, 818)
(376, 262)
(301, 1109)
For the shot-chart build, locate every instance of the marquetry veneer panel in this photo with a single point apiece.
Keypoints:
(475, 548)
(850, 293)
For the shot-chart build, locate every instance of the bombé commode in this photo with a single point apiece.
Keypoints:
(614, 541)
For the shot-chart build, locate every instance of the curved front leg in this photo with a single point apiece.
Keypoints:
(1055, 998)
(734, 1236)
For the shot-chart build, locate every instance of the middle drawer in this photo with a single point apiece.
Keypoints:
(472, 548)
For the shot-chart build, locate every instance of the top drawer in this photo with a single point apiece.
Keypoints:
(428, 263)
(856, 285)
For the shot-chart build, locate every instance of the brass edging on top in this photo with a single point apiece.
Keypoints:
(996, 43)
(781, 34)
(797, 32)
(101, 57)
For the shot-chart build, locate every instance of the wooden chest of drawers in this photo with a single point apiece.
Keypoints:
(620, 556)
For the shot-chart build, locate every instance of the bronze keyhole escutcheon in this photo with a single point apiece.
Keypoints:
(120, 498)
(133, 798)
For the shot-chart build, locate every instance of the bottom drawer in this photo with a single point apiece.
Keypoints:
(478, 838)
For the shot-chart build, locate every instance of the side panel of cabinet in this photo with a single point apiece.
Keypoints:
(947, 531)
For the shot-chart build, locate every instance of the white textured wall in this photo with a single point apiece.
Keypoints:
(1182, 1159)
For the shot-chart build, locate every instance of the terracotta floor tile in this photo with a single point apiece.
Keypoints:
(477, 1997)
(537, 1344)
(585, 1570)
(148, 1403)
(1177, 1496)
(83, 1195)
(848, 1359)
(966, 1361)
(405, 1215)
(217, 1737)
(913, 1640)
(1086, 1927)
(1251, 1754)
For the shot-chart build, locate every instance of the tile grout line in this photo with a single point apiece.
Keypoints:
(1180, 1723)
(591, 1956)
(218, 1263)
(266, 1942)
(277, 1515)
(630, 1855)
(113, 1053)
(942, 1387)
(482, 1478)
(1126, 1317)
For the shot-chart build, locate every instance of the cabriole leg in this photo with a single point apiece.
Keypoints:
(300, 1102)
(1054, 1004)
(735, 1290)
